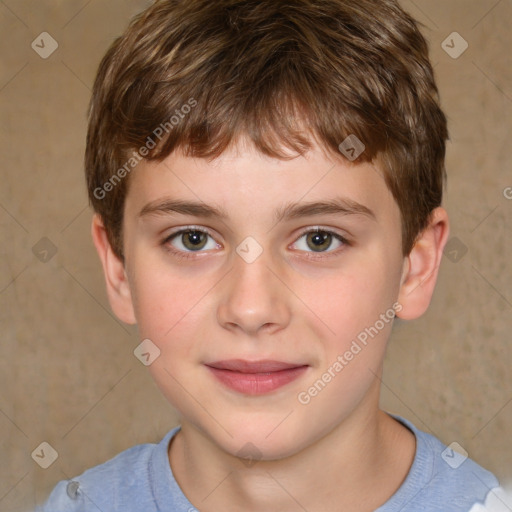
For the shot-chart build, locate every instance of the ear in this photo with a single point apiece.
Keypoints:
(421, 267)
(118, 288)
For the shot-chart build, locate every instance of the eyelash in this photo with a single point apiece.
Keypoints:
(188, 255)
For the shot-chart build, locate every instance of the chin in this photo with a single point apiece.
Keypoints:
(261, 440)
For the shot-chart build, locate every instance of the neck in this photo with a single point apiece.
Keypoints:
(357, 465)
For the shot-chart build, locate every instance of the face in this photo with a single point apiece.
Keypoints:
(268, 286)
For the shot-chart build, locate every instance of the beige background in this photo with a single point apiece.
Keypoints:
(67, 371)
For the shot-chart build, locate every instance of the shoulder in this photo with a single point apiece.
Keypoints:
(121, 483)
(441, 478)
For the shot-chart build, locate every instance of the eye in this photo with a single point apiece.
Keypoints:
(320, 240)
(191, 240)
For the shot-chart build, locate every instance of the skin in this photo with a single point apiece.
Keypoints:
(337, 452)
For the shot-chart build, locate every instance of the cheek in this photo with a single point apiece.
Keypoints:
(351, 298)
(168, 309)
(164, 302)
(357, 307)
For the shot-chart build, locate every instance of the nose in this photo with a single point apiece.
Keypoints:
(253, 298)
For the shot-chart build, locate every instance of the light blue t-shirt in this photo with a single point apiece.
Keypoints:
(140, 479)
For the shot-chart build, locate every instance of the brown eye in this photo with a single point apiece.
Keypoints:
(190, 240)
(194, 240)
(318, 241)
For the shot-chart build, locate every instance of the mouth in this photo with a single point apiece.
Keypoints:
(255, 377)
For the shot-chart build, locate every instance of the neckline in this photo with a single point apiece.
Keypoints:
(166, 490)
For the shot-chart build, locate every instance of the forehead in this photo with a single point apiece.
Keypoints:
(242, 182)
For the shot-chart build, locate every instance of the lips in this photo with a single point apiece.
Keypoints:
(242, 366)
(255, 377)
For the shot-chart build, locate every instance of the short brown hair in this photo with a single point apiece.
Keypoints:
(283, 73)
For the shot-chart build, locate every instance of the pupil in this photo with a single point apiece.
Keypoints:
(195, 237)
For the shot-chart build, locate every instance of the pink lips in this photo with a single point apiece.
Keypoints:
(255, 377)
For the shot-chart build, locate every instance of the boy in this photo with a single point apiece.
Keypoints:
(267, 180)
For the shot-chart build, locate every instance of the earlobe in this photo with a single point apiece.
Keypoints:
(118, 287)
(422, 265)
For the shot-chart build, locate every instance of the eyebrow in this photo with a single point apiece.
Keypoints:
(290, 211)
